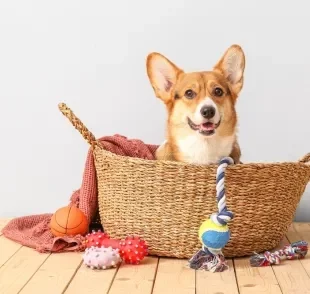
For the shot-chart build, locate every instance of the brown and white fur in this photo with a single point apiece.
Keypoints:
(202, 119)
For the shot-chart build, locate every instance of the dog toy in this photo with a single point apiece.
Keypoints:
(70, 221)
(296, 250)
(101, 258)
(132, 249)
(214, 232)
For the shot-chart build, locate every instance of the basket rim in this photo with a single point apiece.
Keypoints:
(198, 166)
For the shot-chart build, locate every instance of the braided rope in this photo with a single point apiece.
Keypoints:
(224, 215)
(296, 250)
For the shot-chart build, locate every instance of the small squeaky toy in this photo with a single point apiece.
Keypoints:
(132, 249)
(296, 250)
(101, 258)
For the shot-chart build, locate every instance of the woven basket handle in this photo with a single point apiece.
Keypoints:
(305, 159)
(87, 135)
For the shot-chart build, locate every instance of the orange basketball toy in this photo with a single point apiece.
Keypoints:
(70, 221)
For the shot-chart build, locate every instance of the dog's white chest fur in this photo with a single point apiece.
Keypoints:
(197, 149)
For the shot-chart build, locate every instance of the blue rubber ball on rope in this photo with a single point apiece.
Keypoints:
(213, 236)
(214, 232)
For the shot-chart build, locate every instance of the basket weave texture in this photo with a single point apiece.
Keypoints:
(165, 202)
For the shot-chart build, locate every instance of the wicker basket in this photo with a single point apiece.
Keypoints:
(165, 202)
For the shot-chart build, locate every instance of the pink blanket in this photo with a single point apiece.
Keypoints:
(33, 231)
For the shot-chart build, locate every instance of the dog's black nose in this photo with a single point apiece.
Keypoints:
(207, 111)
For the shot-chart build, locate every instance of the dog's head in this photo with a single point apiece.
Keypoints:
(204, 101)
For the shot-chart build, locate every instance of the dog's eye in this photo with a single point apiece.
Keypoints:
(218, 92)
(190, 94)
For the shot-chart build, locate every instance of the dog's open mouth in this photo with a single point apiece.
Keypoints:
(206, 129)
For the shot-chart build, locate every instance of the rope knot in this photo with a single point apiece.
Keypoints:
(222, 218)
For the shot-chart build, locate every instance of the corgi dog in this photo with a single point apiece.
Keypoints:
(202, 119)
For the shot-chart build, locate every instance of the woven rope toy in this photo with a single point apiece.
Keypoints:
(214, 233)
(296, 250)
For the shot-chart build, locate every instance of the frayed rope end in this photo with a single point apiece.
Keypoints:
(205, 260)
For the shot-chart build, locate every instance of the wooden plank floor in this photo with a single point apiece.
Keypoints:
(23, 270)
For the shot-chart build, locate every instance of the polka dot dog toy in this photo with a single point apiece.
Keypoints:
(131, 250)
(214, 232)
(101, 258)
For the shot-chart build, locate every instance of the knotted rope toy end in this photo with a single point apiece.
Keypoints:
(296, 250)
(214, 232)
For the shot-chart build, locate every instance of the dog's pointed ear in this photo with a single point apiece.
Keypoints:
(232, 65)
(163, 75)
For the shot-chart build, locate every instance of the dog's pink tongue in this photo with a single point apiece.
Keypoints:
(208, 126)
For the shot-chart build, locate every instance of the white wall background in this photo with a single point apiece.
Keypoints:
(91, 55)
